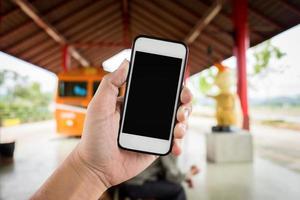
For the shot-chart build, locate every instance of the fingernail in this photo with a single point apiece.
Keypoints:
(186, 113)
(124, 61)
(183, 126)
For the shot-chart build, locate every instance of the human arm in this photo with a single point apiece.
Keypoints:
(194, 170)
(97, 162)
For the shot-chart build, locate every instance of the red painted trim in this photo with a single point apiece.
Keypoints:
(240, 17)
(66, 61)
(97, 44)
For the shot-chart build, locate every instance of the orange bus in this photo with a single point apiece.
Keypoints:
(75, 90)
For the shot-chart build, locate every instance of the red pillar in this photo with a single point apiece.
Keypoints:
(240, 17)
(66, 61)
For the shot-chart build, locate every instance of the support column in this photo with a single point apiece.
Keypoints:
(240, 21)
(66, 60)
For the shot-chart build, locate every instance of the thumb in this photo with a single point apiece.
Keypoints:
(118, 77)
(108, 90)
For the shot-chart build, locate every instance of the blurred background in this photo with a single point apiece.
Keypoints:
(53, 55)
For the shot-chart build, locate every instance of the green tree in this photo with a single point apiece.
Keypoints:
(24, 99)
(206, 80)
(263, 55)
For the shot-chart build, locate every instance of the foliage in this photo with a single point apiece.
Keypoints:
(20, 98)
(206, 80)
(264, 54)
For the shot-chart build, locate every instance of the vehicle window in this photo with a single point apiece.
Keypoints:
(95, 86)
(72, 88)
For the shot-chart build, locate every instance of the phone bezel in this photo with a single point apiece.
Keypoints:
(161, 47)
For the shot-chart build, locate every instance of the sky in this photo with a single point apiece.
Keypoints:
(47, 80)
(284, 82)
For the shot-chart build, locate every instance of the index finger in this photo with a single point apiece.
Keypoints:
(176, 148)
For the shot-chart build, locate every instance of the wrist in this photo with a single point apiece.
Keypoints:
(71, 180)
(86, 174)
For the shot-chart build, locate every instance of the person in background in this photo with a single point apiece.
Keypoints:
(162, 180)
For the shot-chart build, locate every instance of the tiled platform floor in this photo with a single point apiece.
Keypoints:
(39, 150)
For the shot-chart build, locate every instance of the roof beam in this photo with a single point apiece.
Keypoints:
(61, 25)
(125, 16)
(176, 21)
(103, 28)
(211, 13)
(149, 18)
(95, 24)
(90, 15)
(97, 59)
(30, 24)
(138, 26)
(290, 6)
(225, 17)
(263, 17)
(177, 7)
(12, 11)
(29, 10)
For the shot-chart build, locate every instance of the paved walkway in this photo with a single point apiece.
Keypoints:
(39, 150)
(263, 179)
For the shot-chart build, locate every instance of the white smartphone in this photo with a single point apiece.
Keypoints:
(152, 95)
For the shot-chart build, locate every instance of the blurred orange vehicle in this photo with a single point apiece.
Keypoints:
(75, 90)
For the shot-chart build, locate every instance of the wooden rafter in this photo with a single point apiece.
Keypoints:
(125, 18)
(290, 7)
(29, 10)
(70, 31)
(195, 15)
(264, 18)
(211, 13)
(226, 17)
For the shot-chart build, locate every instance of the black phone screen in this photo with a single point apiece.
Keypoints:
(152, 95)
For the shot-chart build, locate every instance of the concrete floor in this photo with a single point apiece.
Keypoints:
(39, 150)
(265, 178)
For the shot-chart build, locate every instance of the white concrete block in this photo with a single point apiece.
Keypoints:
(229, 147)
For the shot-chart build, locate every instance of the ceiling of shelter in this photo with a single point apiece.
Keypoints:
(95, 28)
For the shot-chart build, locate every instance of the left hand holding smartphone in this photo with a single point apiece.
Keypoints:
(97, 163)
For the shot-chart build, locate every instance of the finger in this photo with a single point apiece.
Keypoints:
(180, 130)
(192, 184)
(176, 150)
(118, 77)
(107, 92)
(111, 83)
(197, 170)
(120, 101)
(184, 112)
(186, 96)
